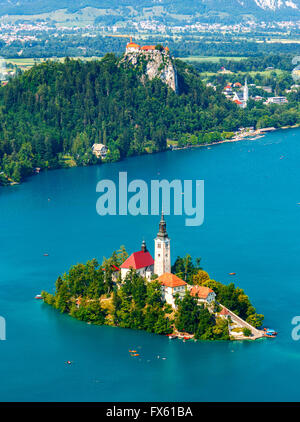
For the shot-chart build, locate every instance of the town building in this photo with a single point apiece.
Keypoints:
(277, 100)
(241, 97)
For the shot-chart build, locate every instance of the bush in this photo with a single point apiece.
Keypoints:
(247, 332)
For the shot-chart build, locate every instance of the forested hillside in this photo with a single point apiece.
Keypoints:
(51, 115)
(167, 9)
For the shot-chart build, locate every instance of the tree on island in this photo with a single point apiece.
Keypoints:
(185, 269)
(247, 332)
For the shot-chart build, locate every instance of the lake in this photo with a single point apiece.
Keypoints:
(251, 227)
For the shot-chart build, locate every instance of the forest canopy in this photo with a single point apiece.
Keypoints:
(51, 115)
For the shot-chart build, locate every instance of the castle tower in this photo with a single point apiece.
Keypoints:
(162, 257)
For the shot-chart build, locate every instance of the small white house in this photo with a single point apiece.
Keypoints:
(203, 294)
(100, 150)
(224, 313)
(170, 286)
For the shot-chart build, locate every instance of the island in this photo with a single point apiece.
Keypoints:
(143, 293)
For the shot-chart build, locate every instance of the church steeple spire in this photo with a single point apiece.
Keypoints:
(246, 92)
(162, 261)
(144, 247)
(162, 233)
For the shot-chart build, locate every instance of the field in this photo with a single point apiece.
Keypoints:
(27, 63)
(206, 75)
(210, 59)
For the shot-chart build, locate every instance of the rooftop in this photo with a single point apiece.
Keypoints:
(138, 260)
(171, 280)
(200, 291)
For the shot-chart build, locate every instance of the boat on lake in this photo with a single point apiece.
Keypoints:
(269, 332)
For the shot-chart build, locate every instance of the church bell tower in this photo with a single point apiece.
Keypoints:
(162, 260)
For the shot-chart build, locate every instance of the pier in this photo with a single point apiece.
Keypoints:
(256, 333)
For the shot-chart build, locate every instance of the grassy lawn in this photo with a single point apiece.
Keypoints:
(237, 330)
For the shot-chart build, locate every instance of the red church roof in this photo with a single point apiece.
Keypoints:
(138, 260)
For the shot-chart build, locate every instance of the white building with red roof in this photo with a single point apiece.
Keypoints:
(170, 286)
(132, 47)
(224, 313)
(203, 294)
(140, 261)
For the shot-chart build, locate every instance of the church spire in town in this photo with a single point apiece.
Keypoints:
(246, 93)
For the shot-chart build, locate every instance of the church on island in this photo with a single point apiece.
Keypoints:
(159, 269)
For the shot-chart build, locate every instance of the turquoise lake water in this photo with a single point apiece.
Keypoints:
(251, 227)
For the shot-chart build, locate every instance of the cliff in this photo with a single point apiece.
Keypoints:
(154, 63)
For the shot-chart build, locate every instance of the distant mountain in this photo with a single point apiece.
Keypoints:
(171, 10)
(280, 7)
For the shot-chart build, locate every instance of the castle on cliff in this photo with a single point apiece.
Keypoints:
(132, 47)
(159, 63)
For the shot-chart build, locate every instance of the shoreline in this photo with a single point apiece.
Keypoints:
(240, 136)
